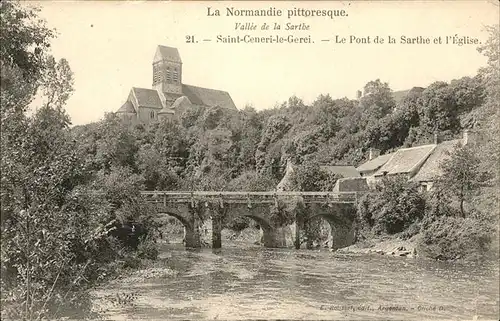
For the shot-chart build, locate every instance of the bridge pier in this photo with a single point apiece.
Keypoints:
(192, 238)
(216, 232)
(194, 230)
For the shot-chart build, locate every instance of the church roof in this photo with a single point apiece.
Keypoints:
(406, 160)
(147, 97)
(196, 95)
(127, 107)
(183, 100)
(431, 169)
(167, 53)
(208, 97)
(344, 171)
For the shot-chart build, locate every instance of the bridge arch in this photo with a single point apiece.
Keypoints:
(179, 217)
(258, 212)
(340, 218)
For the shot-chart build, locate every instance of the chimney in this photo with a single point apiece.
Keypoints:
(359, 94)
(373, 153)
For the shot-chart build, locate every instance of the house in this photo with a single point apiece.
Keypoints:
(169, 96)
(405, 161)
(420, 164)
(431, 169)
(374, 163)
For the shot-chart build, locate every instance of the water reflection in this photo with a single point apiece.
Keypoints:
(244, 283)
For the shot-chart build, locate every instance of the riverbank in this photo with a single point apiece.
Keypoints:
(393, 246)
(121, 294)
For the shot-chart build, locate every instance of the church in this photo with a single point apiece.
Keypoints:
(169, 96)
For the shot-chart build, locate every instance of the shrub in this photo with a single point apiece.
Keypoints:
(393, 207)
(147, 248)
(449, 237)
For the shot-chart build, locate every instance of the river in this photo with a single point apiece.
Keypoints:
(257, 283)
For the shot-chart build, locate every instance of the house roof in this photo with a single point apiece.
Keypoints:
(406, 160)
(431, 169)
(127, 107)
(351, 184)
(344, 171)
(208, 97)
(147, 97)
(167, 53)
(374, 164)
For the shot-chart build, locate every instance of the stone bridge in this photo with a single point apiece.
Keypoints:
(196, 209)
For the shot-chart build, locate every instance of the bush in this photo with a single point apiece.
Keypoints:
(147, 248)
(393, 207)
(449, 237)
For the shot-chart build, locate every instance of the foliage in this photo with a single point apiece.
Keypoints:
(461, 176)
(309, 177)
(251, 181)
(55, 224)
(449, 237)
(25, 39)
(377, 100)
(393, 207)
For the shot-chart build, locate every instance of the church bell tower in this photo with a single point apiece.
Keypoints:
(167, 70)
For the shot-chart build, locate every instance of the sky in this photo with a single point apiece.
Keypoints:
(110, 47)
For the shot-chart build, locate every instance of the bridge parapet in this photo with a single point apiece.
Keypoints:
(168, 197)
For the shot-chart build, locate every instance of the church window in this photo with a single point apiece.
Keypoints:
(176, 76)
(156, 74)
(169, 76)
(152, 114)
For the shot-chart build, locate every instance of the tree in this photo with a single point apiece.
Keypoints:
(491, 72)
(24, 40)
(393, 206)
(53, 227)
(489, 114)
(57, 83)
(115, 144)
(437, 110)
(461, 176)
(309, 177)
(377, 99)
(275, 129)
